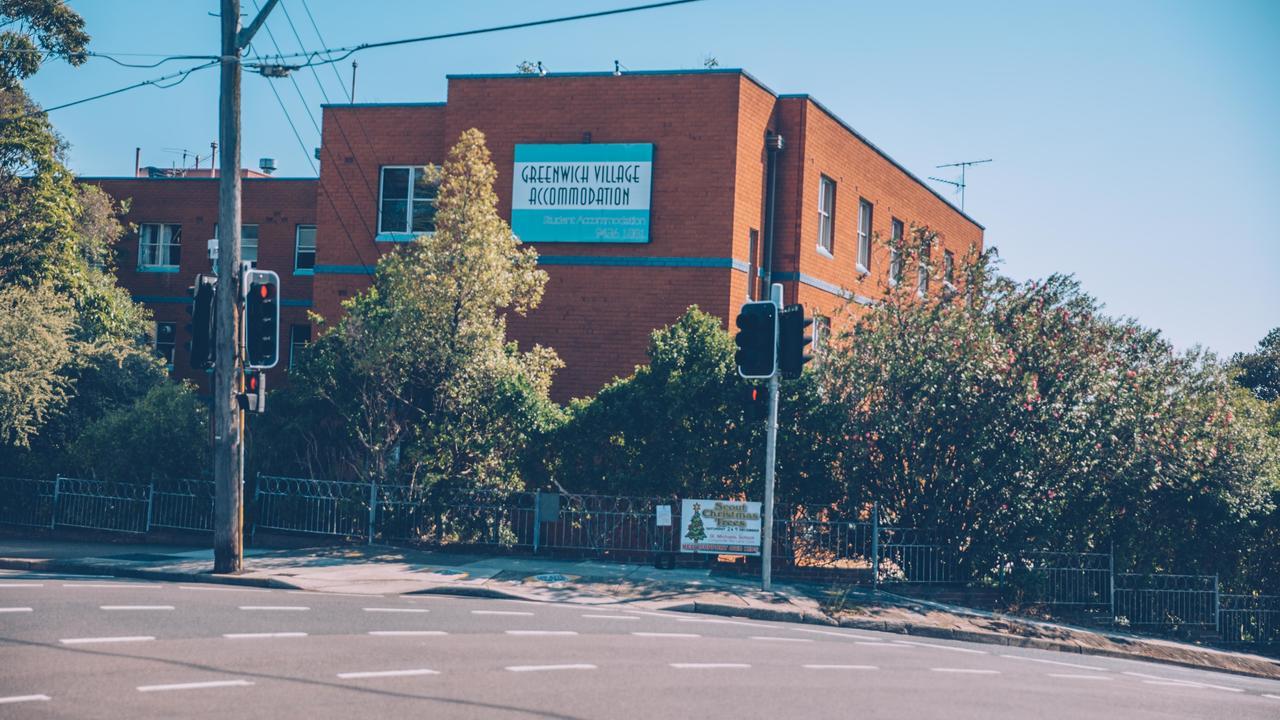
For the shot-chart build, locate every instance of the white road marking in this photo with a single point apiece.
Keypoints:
(850, 636)
(881, 644)
(194, 685)
(285, 608)
(537, 668)
(335, 594)
(406, 633)
(14, 609)
(542, 632)
(713, 621)
(1173, 683)
(502, 612)
(772, 638)
(122, 639)
(135, 607)
(387, 673)
(263, 635)
(840, 667)
(669, 616)
(665, 635)
(611, 617)
(1055, 662)
(22, 698)
(99, 585)
(709, 666)
(397, 610)
(1069, 676)
(224, 589)
(967, 671)
(1157, 679)
(941, 647)
(20, 585)
(1273, 697)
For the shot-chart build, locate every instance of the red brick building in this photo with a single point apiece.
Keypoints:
(731, 174)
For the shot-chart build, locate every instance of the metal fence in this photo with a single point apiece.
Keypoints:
(1065, 578)
(102, 505)
(26, 502)
(914, 555)
(1249, 619)
(1166, 600)
(183, 505)
(317, 507)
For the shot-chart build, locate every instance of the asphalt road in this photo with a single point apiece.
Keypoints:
(73, 647)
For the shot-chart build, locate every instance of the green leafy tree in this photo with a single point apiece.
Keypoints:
(164, 434)
(417, 381)
(34, 331)
(1259, 371)
(34, 30)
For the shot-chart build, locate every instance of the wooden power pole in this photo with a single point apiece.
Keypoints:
(228, 443)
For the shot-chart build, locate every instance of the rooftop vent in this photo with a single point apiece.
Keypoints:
(267, 165)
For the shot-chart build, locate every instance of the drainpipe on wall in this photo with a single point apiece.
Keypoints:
(773, 144)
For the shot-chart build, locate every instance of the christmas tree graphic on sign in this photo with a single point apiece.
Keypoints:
(696, 533)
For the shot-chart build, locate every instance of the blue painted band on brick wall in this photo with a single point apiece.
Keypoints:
(343, 270)
(823, 285)
(186, 300)
(643, 261)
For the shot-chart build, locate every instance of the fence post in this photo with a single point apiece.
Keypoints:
(53, 508)
(875, 545)
(373, 507)
(537, 518)
(1111, 577)
(151, 499)
(1217, 608)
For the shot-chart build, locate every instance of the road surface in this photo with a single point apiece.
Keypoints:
(86, 647)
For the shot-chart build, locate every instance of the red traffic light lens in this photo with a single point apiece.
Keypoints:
(264, 290)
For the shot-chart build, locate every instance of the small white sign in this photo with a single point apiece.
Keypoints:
(720, 527)
(664, 516)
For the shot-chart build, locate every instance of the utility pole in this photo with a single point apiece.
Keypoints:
(770, 464)
(228, 425)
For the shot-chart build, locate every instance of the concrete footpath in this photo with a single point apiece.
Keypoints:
(379, 570)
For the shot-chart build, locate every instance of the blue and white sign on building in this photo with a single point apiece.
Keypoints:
(586, 193)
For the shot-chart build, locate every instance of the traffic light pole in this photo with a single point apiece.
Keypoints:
(770, 460)
(228, 441)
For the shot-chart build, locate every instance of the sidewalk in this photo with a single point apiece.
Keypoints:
(379, 570)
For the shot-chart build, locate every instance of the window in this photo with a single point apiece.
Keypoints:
(299, 336)
(922, 281)
(895, 254)
(821, 334)
(864, 236)
(826, 213)
(159, 247)
(407, 202)
(248, 242)
(949, 269)
(165, 341)
(304, 250)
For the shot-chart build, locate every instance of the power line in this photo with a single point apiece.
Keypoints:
(320, 37)
(181, 76)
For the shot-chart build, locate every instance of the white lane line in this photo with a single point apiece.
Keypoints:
(840, 667)
(709, 666)
(1069, 676)
(772, 638)
(966, 671)
(284, 608)
(521, 613)
(14, 609)
(941, 647)
(387, 673)
(542, 632)
(263, 635)
(212, 588)
(665, 635)
(135, 607)
(611, 617)
(875, 643)
(22, 698)
(407, 633)
(669, 616)
(194, 685)
(1173, 683)
(711, 621)
(335, 594)
(1156, 679)
(396, 610)
(1055, 662)
(121, 639)
(538, 668)
(833, 633)
(20, 585)
(129, 585)
(1273, 697)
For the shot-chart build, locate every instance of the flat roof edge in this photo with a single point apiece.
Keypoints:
(610, 73)
(383, 104)
(881, 153)
(196, 179)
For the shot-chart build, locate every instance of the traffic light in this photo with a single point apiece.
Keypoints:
(203, 320)
(261, 319)
(792, 341)
(757, 403)
(254, 397)
(757, 339)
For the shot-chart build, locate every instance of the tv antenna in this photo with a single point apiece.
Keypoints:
(959, 184)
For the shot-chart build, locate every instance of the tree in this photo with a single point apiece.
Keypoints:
(1259, 371)
(34, 332)
(37, 29)
(417, 382)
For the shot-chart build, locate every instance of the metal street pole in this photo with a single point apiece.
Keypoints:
(770, 460)
(228, 440)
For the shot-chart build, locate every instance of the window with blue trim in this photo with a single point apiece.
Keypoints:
(406, 201)
(159, 246)
(304, 250)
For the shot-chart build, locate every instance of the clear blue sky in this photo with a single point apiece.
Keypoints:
(1136, 144)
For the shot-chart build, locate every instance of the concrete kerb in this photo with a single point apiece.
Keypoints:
(82, 568)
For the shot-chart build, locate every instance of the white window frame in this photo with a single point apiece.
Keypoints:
(408, 233)
(895, 253)
(298, 249)
(243, 236)
(826, 215)
(865, 210)
(169, 236)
